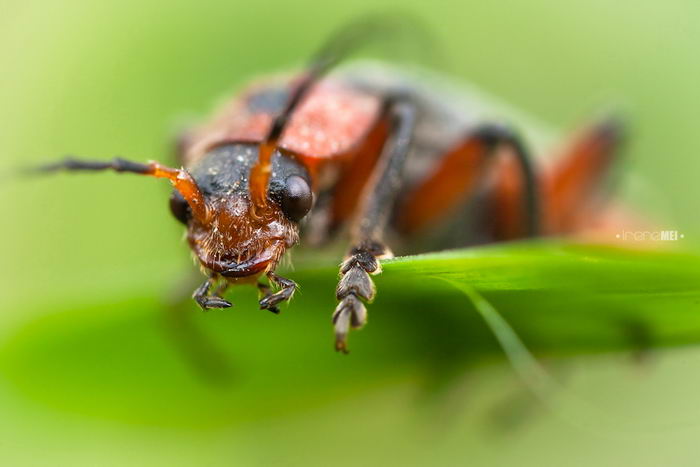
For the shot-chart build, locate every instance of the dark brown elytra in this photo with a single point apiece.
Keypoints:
(315, 152)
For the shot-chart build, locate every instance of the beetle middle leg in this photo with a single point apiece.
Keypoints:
(208, 301)
(355, 285)
(458, 175)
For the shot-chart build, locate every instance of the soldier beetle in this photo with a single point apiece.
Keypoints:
(317, 151)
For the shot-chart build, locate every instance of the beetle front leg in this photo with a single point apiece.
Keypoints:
(356, 286)
(265, 292)
(271, 300)
(206, 301)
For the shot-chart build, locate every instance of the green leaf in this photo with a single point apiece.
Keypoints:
(132, 360)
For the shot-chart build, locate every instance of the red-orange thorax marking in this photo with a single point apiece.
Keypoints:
(331, 121)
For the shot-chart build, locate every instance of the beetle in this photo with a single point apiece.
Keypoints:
(313, 152)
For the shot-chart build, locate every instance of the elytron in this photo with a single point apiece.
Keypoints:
(370, 154)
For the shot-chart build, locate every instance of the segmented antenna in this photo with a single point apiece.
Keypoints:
(181, 180)
(346, 41)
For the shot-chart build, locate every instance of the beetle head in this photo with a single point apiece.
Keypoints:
(239, 238)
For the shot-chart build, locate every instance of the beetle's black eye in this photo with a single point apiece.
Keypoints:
(296, 198)
(179, 207)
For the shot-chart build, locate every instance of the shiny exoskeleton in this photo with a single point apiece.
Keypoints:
(370, 149)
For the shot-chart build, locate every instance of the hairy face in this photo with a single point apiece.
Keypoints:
(235, 237)
(238, 240)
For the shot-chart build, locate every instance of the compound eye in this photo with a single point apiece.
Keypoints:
(296, 198)
(179, 207)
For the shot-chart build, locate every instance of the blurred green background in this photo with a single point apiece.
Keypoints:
(87, 373)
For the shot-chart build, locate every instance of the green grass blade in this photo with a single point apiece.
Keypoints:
(559, 299)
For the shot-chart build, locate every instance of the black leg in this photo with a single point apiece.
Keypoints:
(265, 292)
(206, 301)
(271, 300)
(458, 175)
(497, 136)
(355, 285)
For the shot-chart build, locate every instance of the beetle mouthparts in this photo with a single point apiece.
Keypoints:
(244, 268)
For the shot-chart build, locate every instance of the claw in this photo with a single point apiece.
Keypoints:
(341, 345)
(266, 304)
